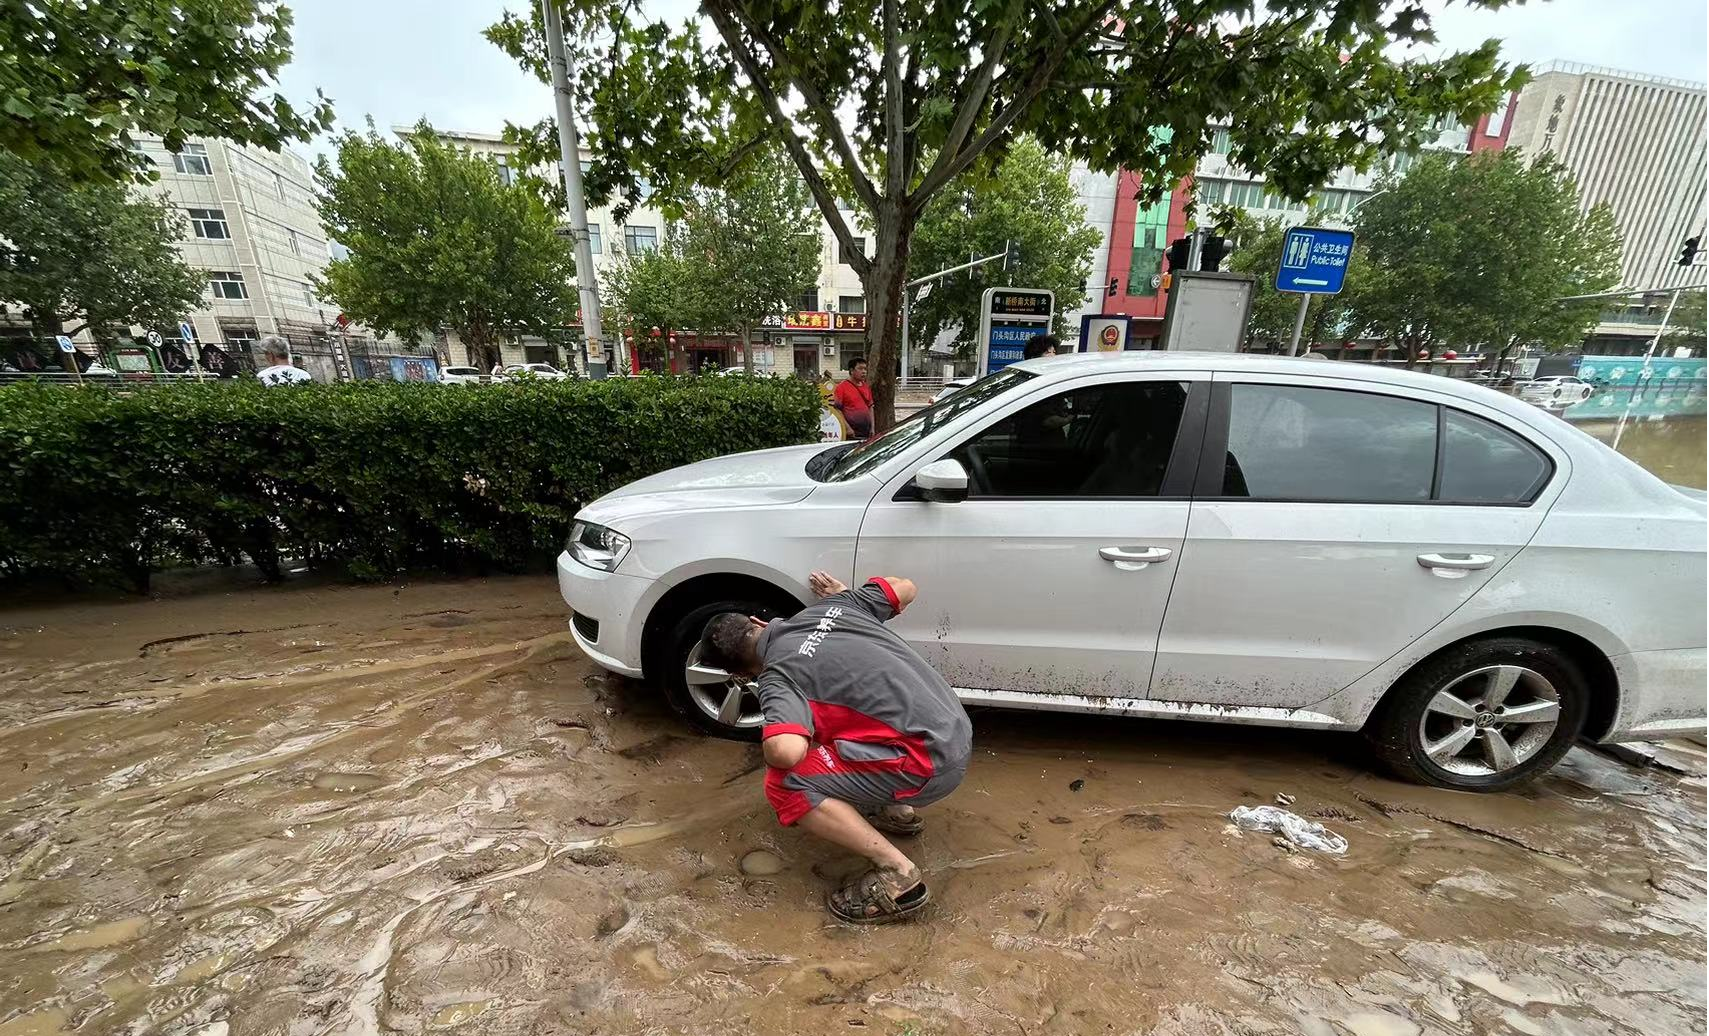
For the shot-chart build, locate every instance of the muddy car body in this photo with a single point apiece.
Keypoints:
(1467, 579)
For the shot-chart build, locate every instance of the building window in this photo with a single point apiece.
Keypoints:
(227, 285)
(308, 295)
(1150, 241)
(640, 239)
(193, 161)
(807, 301)
(851, 303)
(279, 186)
(1220, 141)
(594, 242)
(506, 175)
(209, 224)
(844, 255)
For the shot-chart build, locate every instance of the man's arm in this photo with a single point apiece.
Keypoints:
(904, 590)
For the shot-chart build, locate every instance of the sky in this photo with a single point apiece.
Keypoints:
(401, 60)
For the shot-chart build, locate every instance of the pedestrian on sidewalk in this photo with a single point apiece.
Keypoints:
(859, 730)
(279, 370)
(853, 396)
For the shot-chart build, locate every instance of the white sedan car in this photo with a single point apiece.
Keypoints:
(461, 376)
(1556, 391)
(1470, 581)
(540, 371)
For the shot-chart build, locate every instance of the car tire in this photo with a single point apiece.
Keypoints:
(1415, 727)
(671, 663)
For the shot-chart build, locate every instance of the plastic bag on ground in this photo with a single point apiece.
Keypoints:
(1307, 834)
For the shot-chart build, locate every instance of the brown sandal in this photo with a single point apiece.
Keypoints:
(889, 823)
(868, 901)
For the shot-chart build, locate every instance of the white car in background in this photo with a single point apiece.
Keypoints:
(1469, 580)
(1556, 391)
(541, 371)
(461, 376)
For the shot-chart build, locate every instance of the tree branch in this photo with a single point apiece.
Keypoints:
(1001, 121)
(823, 114)
(895, 162)
(974, 95)
(822, 195)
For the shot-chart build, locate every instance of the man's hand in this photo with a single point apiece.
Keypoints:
(824, 584)
(784, 751)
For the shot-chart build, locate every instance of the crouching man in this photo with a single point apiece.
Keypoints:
(858, 731)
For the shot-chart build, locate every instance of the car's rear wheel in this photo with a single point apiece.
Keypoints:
(1482, 716)
(709, 699)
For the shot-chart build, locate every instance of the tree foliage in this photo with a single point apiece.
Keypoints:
(740, 253)
(1474, 252)
(437, 240)
(888, 102)
(79, 255)
(1029, 200)
(78, 79)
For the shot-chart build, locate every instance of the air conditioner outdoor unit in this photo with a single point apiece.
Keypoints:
(830, 350)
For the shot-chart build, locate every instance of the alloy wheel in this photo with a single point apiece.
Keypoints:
(730, 700)
(1489, 720)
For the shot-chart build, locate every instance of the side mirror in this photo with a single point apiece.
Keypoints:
(942, 482)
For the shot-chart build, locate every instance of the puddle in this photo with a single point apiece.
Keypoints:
(460, 826)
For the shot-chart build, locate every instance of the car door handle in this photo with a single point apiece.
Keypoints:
(1455, 566)
(1132, 559)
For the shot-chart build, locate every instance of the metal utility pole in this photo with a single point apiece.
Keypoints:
(1673, 300)
(908, 295)
(1299, 326)
(570, 150)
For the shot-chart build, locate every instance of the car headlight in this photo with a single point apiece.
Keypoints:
(596, 546)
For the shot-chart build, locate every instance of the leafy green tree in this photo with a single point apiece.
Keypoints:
(1689, 321)
(78, 79)
(1030, 201)
(1474, 253)
(1258, 252)
(89, 255)
(437, 240)
(739, 254)
(886, 103)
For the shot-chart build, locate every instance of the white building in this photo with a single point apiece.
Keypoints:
(826, 328)
(253, 226)
(1634, 141)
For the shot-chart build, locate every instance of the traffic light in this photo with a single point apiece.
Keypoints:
(1115, 286)
(1180, 253)
(1688, 254)
(1012, 256)
(1211, 252)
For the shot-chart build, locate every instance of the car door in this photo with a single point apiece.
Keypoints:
(1052, 575)
(1334, 522)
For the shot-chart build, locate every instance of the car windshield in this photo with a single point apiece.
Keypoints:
(871, 454)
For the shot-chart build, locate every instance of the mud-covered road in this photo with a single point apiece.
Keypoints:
(416, 809)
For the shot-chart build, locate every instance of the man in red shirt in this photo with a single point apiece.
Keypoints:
(854, 398)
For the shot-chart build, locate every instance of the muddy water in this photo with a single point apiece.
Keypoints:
(365, 810)
(1673, 448)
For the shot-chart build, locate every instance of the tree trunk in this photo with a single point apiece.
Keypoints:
(884, 285)
(747, 349)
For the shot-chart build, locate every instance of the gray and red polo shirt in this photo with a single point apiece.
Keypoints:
(870, 705)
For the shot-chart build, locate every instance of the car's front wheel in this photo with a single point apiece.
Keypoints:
(710, 699)
(1482, 716)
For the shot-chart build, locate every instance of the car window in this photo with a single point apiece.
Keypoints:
(1287, 443)
(1100, 441)
(873, 452)
(1483, 463)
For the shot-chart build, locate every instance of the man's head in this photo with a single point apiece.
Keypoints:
(857, 369)
(1041, 345)
(731, 642)
(276, 349)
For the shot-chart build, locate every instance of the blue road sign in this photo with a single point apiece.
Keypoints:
(65, 345)
(1314, 260)
(186, 332)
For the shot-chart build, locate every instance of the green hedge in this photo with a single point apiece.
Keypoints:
(107, 484)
